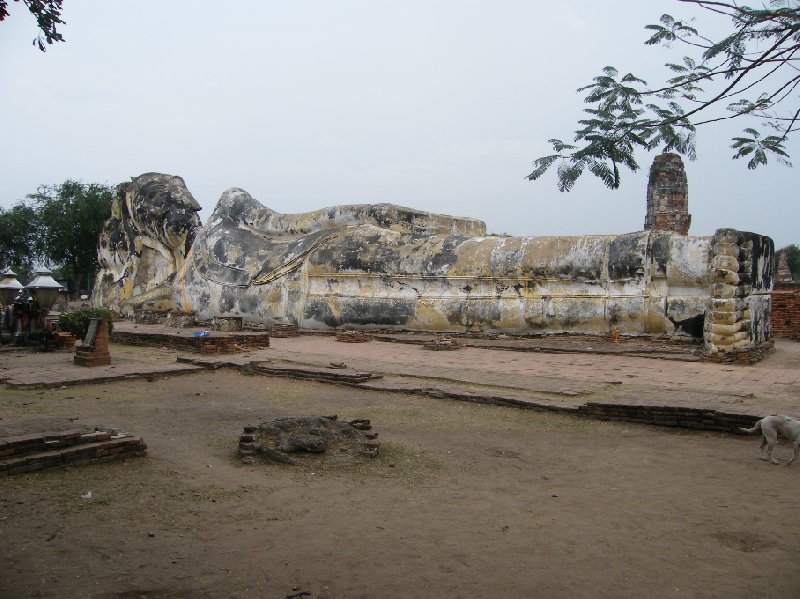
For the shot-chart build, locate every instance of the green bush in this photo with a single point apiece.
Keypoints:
(77, 322)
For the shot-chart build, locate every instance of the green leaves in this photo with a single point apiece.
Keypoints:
(77, 322)
(668, 31)
(48, 18)
(758, 148)
(625, 115)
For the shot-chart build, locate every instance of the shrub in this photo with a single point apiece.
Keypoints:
(77, 322)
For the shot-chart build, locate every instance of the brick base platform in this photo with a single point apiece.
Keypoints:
(41, 451)
(745, 356)
(214, 343)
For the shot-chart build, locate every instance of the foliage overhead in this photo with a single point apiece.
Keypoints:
(48, 17)
(753, 72)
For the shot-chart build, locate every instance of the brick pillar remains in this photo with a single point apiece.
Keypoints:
(668, 196)
(784, 273)
(737, 326)
(97, 354)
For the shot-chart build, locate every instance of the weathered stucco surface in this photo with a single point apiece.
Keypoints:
(389, 267)
(392, 267)
(742, 272)
(144, 243)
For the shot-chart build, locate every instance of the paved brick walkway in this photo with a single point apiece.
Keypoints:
(543, 379)
(27, 369)
(770, 386)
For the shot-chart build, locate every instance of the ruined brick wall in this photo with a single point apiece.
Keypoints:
(786, 310)
(742, 271)
(668, 196)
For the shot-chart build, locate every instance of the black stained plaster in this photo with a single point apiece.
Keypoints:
(455, 313)
(204, 299)
(237, 209)
(228, 299)
(368, 254)
(625, 257)
(446, 257)
(224, 275)
(387, 216)
(482, 312)
(575, 313)
(658, 252)
(190, 237)
(763, 251)
(357, 311)
(247, 303)
(614, 313)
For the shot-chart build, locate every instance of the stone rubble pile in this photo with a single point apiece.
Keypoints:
(290, 440)
(442, 344)
(352, 337)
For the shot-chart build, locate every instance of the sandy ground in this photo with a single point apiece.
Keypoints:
(465, 500)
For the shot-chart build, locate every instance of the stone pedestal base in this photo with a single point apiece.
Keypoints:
(96, 355)
(92, 358)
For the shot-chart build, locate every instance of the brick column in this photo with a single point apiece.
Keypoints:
(668, 196)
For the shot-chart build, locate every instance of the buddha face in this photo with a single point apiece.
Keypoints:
(164, 208)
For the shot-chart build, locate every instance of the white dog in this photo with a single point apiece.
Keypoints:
(770, 428)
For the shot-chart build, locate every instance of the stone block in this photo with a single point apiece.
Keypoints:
(725, 291)
(727, 305)
(726, 236)
(726, 249)
(722, 329)
(721, 343)
(727, 318)
(725, 262)
(720, 275)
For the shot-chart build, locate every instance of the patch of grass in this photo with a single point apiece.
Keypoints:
(452, 416)
(395, 461)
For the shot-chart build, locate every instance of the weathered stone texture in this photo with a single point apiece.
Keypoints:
(389, 267)
(738, 317)
(337, 267)
(143, 244)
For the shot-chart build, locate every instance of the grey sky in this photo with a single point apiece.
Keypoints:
(437, 105)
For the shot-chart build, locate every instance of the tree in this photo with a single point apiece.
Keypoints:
(753, 72)
(18, 244)
(48, 17)
(70, 217)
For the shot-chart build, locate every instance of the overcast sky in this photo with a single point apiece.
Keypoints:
(439, 105)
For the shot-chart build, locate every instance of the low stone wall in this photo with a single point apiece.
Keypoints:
(696, 418)
(42, 451)
(786, 310)
(214, 343)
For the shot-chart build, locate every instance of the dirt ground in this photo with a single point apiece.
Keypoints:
(465, 500)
